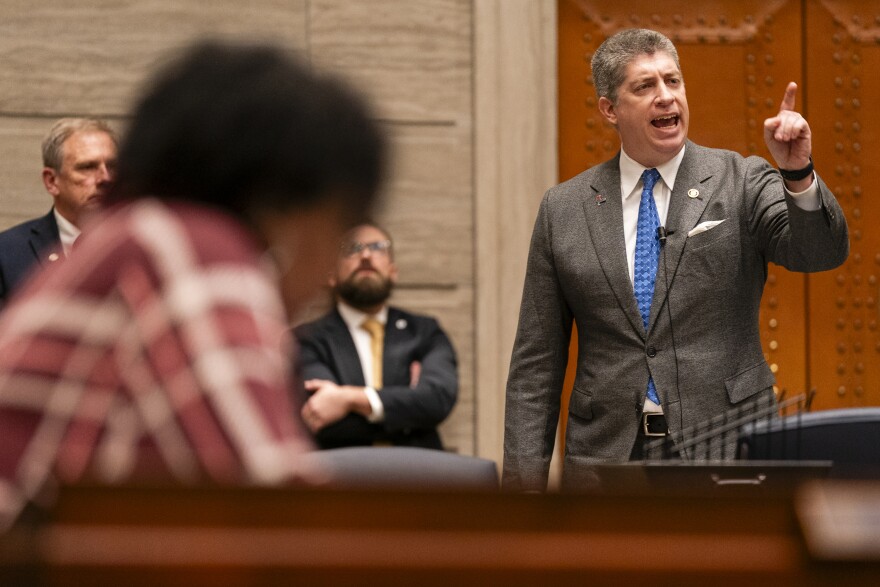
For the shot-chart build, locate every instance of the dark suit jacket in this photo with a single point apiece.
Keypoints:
(327, 351)
(702, 344)
(23, 248)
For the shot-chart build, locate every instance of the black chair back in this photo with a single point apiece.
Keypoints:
(848, 437)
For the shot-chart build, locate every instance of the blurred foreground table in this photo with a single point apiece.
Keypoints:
(133, 536)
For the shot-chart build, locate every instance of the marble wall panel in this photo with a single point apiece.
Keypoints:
(414, 58)
(22, 195)
(90, 56)
(429, 204)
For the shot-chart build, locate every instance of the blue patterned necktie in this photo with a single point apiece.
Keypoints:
(647, 256)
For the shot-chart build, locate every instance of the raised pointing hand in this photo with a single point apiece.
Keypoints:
(787, 134)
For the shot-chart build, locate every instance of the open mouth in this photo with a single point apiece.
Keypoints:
(667, 121)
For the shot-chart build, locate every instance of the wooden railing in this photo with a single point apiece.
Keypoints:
(306, 537)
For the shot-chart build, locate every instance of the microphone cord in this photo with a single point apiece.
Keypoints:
(661, 236)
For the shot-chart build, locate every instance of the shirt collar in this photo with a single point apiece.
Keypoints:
(66, 231)
(353, 317)
(631, 172)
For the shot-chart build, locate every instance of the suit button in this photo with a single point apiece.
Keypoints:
(652, 352)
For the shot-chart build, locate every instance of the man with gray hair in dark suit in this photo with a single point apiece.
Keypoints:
(79, 159)
(659, 256)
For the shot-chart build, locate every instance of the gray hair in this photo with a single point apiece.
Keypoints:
(611, 59)
(62, 130)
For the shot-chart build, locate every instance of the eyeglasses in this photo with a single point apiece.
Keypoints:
(377, 247)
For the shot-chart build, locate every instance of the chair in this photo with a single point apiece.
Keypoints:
(848, 437)
(396, 467)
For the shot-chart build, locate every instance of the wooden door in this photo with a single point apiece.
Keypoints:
(818, 331)
(842, 59)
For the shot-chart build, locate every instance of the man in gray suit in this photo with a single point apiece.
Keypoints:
(660, 257)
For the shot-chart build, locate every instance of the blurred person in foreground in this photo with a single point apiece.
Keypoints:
(79, 159)
(160, 351)
(376, 374)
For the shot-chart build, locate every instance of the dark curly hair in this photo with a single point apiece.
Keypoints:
(253, 130)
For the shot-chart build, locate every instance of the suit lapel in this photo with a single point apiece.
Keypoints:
(693, 178)
(345, 353)
(395, 363)
(603, 210)
(44, 237)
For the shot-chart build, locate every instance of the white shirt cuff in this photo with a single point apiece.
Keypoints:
(808, 199)
(378, 410)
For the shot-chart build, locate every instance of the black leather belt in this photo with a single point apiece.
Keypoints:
(654, 424)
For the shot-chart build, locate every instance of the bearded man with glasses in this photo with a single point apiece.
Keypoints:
(374, 374)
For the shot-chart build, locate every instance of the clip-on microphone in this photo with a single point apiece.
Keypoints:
(662, 233)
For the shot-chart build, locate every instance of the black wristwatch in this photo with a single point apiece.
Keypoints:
(797, 174)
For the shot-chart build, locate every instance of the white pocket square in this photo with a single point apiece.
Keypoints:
(704, 226)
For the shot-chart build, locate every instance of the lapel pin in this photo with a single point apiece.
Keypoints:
(400, 324)
(692, 193)
(600, 199)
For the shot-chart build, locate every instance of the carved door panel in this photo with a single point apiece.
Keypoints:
(842, 60)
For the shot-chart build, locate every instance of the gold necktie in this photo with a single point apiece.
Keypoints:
(377, 334)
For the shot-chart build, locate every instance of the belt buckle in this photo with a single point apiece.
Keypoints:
(646, 429)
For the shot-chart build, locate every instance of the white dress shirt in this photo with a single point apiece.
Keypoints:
(631, 189)
(353, 319)
(67, 231)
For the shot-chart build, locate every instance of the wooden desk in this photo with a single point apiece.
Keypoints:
(306, 537)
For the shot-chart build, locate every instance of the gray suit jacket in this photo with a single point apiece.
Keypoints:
(702, 344)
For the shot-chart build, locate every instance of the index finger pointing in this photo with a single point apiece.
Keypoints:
(788, 99)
